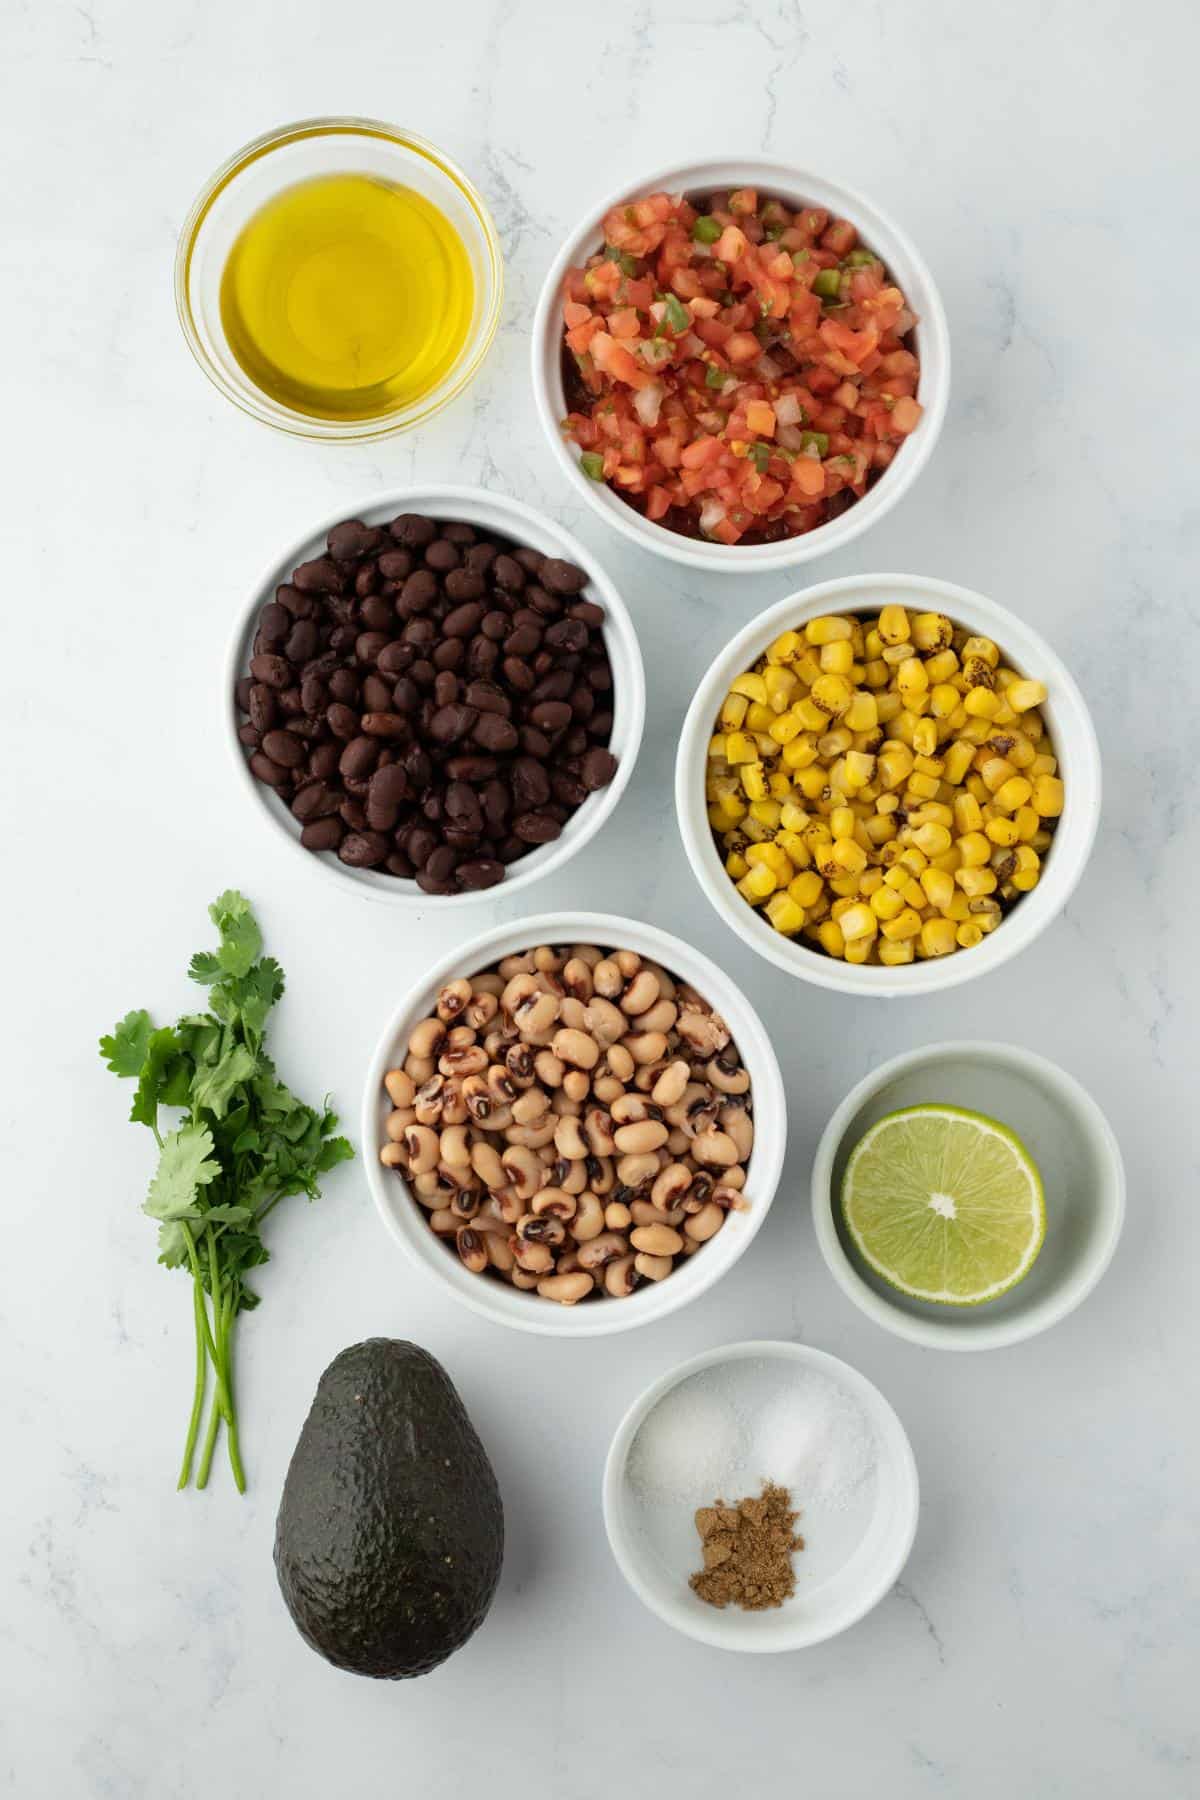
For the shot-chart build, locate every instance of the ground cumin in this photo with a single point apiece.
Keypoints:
(748, 1551)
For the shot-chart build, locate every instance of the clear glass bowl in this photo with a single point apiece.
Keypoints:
(296, 153)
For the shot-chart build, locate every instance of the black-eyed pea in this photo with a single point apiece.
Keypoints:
(671, 1186)
(736, 1122)
(652, 1268)
(532, 1137)
(569, 1139)
(577, 978)
(587, 953)
(604, 1021)
(419, 1068)
(647, 1046)
(680, 1113)
(628, 961)
(455, 1147)
(678, 1143)
(535, 1017)
(661, 1017)
(444, 1222)
(521, 1169)
(523, 1278)
(704, 1224)
(472, 1249)
(548, 961)
(607, 1088)
(620, 1062)
(398, 1121)
(428, 1188)
(572, 1013)
(642, 992)
(566, 1289)
(488, 983)
(519, 987)
(734, 1080)
(588, 1222)
(426, 1039)
(529, 1106)
(640, 1137)
(567, 1262)
(601, 1174)
(537, 1238)
(644, 1212)
(429, 1100)
(421, 1144)
(629, 1109)
(633, 1170)
(576, 1086)
(602, 1249)
(400, 1088)
(453, 1000)
(394, 1156)
(617, 1216)
(728, 1199)
(506, 1205)
(553, 1202)
(499, 1255)
(702, 1117)
(671, 1083)
(520, 963)
(598, 1130)
(575, 1048)
(705, 1033)
(656, 1240)
(454, 1107)
(461, 1060)
(621, 1277)
(607, 979)
(480, 1010)
(715, 1148)
(519, 1061)
(734, 1178)
(548, 1069)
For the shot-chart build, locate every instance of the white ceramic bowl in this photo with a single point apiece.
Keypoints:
(496, 1300)
(1066, 1134)
(521, 524)
(852, 1556)
(1075, 746)
(799, 187)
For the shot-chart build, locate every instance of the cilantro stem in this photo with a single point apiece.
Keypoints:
(201, 1384)
(228, 1318)
(210, 1438)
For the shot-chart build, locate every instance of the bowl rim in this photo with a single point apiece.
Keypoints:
(337, 125)
(943, 1334)
(883, 233)
(1065, 863)
(682, 1619)
(654, 1300)
(621, 641)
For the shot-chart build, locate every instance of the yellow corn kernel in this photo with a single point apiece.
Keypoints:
(943, 699)
(969, 934)
(832, 744)
(740, 748)
(1012, 793)
(895, 953)
(752, 831)
(844, 886)
(849, 856)
(869, 882)
(784, 914)
(811, 716)
(893, 625)
(925, 738)
(968, 816)
(913, 894)
(766, 812)
(1048, 796)
(765, 852)
(906, 924)
(792, 845)
(837, 658)
(810, 781)
(717, 749)
(876, 673)
(831, 695)
(983, 648)
(938, 937)
(751, 685)
(862, 714)
(829, 935)
(754, 781)
(880, 828)
(759, 716)
(985, 913)
(778, 785)
(857, 770)
(975, 881)
(733, 711)
(858, 921)
(932, 631)
(934, 840)
(938, 887)
(806, 889)
(1042, 840)
(841, 821)
(1002, 832)
(886, 903)
(792, 817)
(981, 703)
(1021, 695)
(1028, 871)
(923, 787)
(894, 764)
(801, 753)
(781, 685)
(974, 849)
(976, 785)
(829, 629)
(859, 950)
(807, 666)
(757, 883)
(784, 647)
(996, 770)
(786, 727)
(958, 760)
(958, 907)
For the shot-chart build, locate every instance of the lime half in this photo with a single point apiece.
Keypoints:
(944, 1204)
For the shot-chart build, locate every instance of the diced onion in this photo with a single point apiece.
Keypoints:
(789, 411)
(711, 514)
(790, 436)
(647, 403)
(767, 369)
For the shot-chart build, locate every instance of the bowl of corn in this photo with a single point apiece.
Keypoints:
(887, 784)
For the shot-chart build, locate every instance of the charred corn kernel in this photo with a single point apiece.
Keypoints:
(886, 903)
(975, 881)
(806, 889)
(869, 882)
(858, 922)
(733, 711)
(943, 699)
(938, 937)
(906, 924)
(1020, 752)
(893, 625)
(829, 935)
(879, 828)
(754, 782)
(894, 953)
(1002, 832)
(862, 714)
(958, 760)
(751, 685)
(1028, 869)
(838, 658)
(784, 647)
(982, 647)
(932, 631)
(829, 629)
(831, 695)
(781, 685)
(974, 849)
(766, 812)
(981, 703)
(833, 744)
(925, 738)
(801, 753)
(1022, 695)
(768, 853)
(784, 914)
(793, 847)
(985, 911)
(849, 856)
(786, 727)
(923, 787)
(1012, 793)
(1048, 796)
(996, 770)
(757, 883)
(968, 934)
(932, 839)
(759, 717)
(810, 781)
(844, 886)
(752, 831)
(740, 748)
(811, 716)
(938, 887)
(778, 785)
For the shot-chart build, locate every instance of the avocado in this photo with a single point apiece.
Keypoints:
(390, 1532)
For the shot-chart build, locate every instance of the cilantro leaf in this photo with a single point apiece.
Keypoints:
(241, 939)
(164, 1081)
(124, 1050)
(186, 1164)
(214, 1086)
(205, 967)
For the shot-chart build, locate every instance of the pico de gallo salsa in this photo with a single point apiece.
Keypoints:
(736, 369)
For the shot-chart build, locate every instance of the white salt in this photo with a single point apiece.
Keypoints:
(690, 1444)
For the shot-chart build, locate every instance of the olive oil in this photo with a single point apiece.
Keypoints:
(347, 297)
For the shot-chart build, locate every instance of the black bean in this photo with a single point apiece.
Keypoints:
(551, 715)
(562, 577)
(363, 849)
(567, 634)
(423, 672)
(518, 674)
(342, 639)
(568, 790)
(352, 539)
(471, 768)
(353, 814)
(250, 736)
(418, 593)
(450, 723)
(396, 863)
(419, 845)
(394, 658)
(263, 707)
(342, 720)
(442, 555)
(274, 623)
(413, 530)
(359, 757)
(323, 762)
(385, 725)
(462, 807)
(376, 612)
(494, 733)
(548, 606)
(554, 686)
(440, 863)
(480, 872)
(508, 573)
(366, 579)
(496, 805)
(284, 748)
(459, 532)
(406, 695)
(480, 557)
(450, 654)
(263, 769)
(588, 613)
(299, 605)
(313, 801)
(445, 688)
(530, 783)
(464, 620)
(536, 827)
(241, 693)
(343, 685)
(317, 577)
(377, 694)
(272, 670)
(419, 769)
(523, 641)
(465, 584)
(396, 565)
(314, 695)
(323, 834)
(429, 884)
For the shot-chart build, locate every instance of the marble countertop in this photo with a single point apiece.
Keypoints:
(1043, 1638)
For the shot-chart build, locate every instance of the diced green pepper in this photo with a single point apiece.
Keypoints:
(859, 259)
(678, 317)
(828, 284)
(760, 456)
(592, 464)
(713, 377)
(818, 440)
(706, 230)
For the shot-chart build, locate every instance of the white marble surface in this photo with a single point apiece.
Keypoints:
(1044, 1637)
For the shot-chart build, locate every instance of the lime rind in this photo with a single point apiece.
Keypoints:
(992, 1219)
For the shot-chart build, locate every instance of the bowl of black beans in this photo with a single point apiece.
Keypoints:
(434, 693)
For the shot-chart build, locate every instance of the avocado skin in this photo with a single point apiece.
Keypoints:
(390, 1533)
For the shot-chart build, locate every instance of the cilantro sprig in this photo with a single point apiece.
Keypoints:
(244, 1143)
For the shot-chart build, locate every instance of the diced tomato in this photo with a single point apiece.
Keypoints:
(743, 347)
(905, 415)
(841, 238)
(624, 323)
(575, 313)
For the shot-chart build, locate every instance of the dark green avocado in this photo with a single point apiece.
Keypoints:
(390, 1532)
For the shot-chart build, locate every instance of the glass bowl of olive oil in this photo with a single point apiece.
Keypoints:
(339, 279)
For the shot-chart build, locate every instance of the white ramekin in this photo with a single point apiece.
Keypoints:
(494, 1299)
(520, 523)
(1075, 746)
(1068, 1137)
(800, 188)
